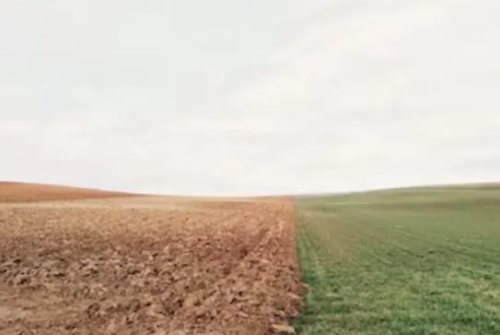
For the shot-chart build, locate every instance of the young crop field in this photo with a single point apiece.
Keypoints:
(405, 262)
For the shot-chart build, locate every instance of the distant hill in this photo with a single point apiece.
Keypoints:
(483, 185)
(11, 192)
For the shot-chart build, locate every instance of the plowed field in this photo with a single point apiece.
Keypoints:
(148, 265)
(11, 192)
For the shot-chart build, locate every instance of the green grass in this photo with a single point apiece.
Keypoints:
(423, 261)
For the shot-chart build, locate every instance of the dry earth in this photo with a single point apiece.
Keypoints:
(11, 192)
(148, 265)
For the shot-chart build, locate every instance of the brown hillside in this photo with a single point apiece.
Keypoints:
(11, 192)
(148, 265)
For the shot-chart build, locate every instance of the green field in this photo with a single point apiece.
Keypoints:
(421, 261)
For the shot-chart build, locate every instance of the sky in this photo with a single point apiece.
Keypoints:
(227, 97)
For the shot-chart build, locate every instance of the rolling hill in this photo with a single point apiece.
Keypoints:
(11, 192)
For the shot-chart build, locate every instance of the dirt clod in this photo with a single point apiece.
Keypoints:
(283, 329)
(93, 310)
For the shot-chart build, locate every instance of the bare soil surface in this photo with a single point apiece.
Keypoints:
(13, 192)
(148, 265)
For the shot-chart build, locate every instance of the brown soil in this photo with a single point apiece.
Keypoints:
(148, 265)
(23, 192)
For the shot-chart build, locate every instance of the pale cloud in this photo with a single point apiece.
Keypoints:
(188, 97)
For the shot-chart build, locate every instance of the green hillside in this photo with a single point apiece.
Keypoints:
(414, 261)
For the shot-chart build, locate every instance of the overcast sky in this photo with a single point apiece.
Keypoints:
(228, 97)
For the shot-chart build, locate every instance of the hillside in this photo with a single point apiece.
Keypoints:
(12, 192)
(145, 264)
(406, 261)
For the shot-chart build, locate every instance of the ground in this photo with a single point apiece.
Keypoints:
(401, 262)
(14, 192)
(148, 265)
(406, 262)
